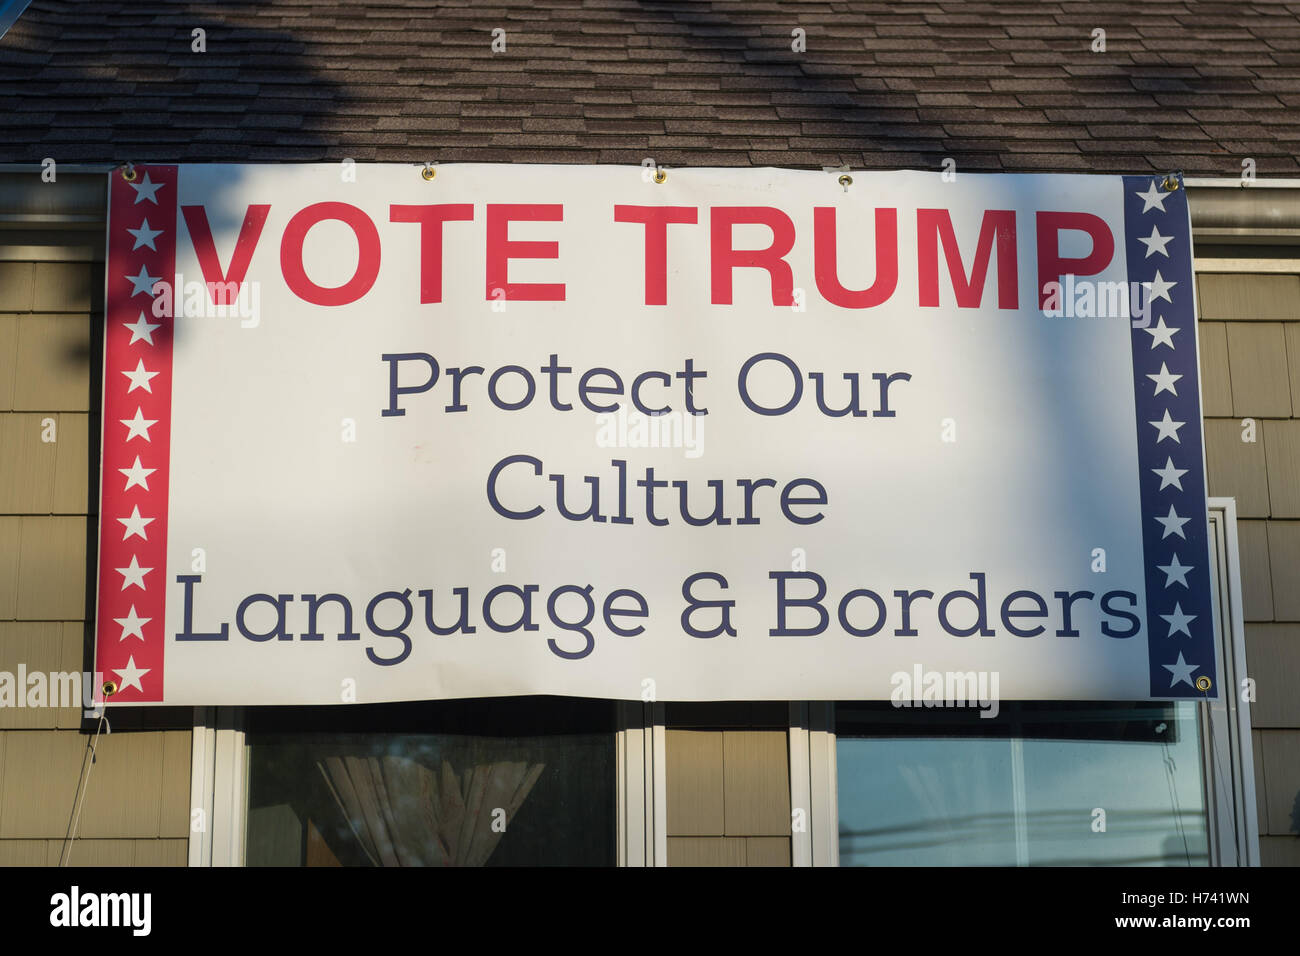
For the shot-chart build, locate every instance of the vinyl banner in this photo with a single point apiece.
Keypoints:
(380, 433)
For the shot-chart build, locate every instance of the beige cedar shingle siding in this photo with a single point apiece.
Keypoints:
(1241, 297)
(136, 810)
(1257, 370)
(728, 851)
(43, 646)
(1250, 356)
(18, 280)
(1282, 446)
(695, 783)
(1216, 393)
(1256, 575)
(1284, 559)
(756, 784)
(51, 582)
(1281, 779)
(120, 853)
(51, 363)
(1233, 463)
(1275, 666)
(728, 785)
(1291, 332)
(44, 476)
(706, 851)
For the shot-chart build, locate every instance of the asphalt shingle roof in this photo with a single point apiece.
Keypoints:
(1015, 86)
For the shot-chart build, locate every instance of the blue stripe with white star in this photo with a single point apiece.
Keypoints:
(1171, 475)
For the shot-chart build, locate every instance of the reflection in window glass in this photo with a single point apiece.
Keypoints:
(1040, 785)
(513, 782)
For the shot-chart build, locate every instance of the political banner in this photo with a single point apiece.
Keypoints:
(391, 432)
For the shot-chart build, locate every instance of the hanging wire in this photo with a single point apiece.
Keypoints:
(83, 784)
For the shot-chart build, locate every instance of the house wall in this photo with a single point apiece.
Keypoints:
(1249, 330)
(136, 805)
(728, 784)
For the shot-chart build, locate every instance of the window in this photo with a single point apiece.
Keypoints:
(514, 782)
(1064, 784)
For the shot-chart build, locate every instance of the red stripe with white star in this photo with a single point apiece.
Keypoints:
(136, 438)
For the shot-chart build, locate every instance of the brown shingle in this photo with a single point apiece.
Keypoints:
(1186, 85)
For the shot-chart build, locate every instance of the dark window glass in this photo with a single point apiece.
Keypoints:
(499, 782)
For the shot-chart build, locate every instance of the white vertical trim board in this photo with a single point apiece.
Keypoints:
(641, 783)
(201, 788)
(801, 823)
(218, 787)
(1229, 759)
(813, 784)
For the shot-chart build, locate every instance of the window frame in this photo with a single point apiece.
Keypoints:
(1229, 753)
(219, 786)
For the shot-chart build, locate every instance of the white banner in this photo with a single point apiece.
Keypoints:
(373, 434)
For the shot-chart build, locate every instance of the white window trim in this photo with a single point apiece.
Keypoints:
(1230, 771)
(219, 786)
(814, 840)
(642, 761)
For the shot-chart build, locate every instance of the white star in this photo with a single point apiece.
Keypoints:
(135, 524)
(1169, 475)
(140, 378)
(1159, 289)
(142, 331)
(1155, 239)
(131, 675)
(1152, 198)
(144, 236)
(1173, 524)
(136, 475)
(1164, 380)
(1168, 428)
(146, 191)
(143, 283)
(1180, 672)
(133, 574)
(1178, 621)
(132, 625)
(138, 427)
(1175, 570)
(1160, 333)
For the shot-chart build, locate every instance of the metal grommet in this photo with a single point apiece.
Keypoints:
(661, 174)
(109, 688)
(428, 172)
(128, 172)
(1171, 182)
(1203, 683)
(846, 181)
